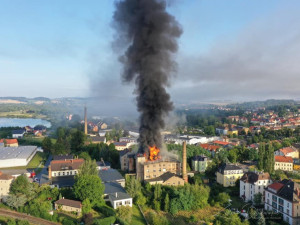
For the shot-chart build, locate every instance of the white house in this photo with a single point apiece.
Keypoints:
(253, 183)
(18, 133)
(120, 199)
(284, 197)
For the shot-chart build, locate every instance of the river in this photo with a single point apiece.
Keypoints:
(22, 122)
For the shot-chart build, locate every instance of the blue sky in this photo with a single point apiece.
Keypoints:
(62, 48)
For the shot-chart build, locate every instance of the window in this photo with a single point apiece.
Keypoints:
(280, 208)
(274, 205)
(274, 198)
(287, 211)
(280, 201)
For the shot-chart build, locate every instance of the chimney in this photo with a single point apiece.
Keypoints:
(49, 172)
(184, 175)
(85, 121)
(116, 194)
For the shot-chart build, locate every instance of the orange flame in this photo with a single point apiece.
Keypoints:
(153, 153)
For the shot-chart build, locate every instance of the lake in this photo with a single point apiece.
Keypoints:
(22, 122)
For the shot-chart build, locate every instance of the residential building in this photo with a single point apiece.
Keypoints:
(67, 167)
(98, 139)
(10, 142)
(288, 151)
(284, 163)
(120, 146)
(284, 197)
(228, 174)
(222, 130)
(253, 183)
(18, 133)
(124, 159)
(232, 131)
(101, 165)
(5, 181)
(118, 199)
(102, 125)
(68, 205)
(167, 178)
(200, 163)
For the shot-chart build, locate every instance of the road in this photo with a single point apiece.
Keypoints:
(43, 175)
(23, 216)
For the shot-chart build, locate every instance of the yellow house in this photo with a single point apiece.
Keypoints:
(228, 174)
(232, 132)
(284, 163)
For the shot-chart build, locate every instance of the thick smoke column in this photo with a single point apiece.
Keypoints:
(151, 34)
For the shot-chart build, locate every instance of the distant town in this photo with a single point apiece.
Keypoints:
(218, 162)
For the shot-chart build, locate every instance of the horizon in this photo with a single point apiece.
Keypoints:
(238, 51)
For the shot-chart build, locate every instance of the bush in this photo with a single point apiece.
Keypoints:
(105, 221)
(106, 210)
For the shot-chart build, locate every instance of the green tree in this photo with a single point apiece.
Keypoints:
(86, 206)
(269, 159)
(15, 201)
(167, 203)
(89, 187)
(77, 141)
(89, 167)
(124, 213)
(22, 186)
(223, 198)
(47, 145)
(133, 186)
(84, 155)
(229, 218)
(140, 199)
(257, 199)
(261, 156)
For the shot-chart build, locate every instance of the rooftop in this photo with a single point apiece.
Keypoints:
(119, 196)
(252, 177)
(67, 164)
(287, 150)
(62, 157)
(68, 202)
(164, 177)
(287, 159)
(9, 141)
(110, 175)
(21, 152)
(225, 167)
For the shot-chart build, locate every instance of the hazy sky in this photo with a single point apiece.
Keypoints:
(230, 50)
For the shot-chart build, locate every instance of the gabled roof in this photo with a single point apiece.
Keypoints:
(123, 152)
(200, 158)
(287, 150)
(9, 141)
(67, 164)
(68, 202)
(286, 189)
(285, 159)
(164, 177)
(21, 131)
(252, 177)
(225, 167)
(62, 157)
(98, 139)
(119, 196)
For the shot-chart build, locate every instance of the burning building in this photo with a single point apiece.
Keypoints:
(162, 170)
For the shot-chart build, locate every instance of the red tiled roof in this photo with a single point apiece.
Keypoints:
(287, 150)
(276, 186)
(9, 141)
(210, 147)
(287, 159)
(221, 142)
(4, 176)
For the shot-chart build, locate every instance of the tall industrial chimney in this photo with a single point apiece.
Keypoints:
(85, 121)
(184, 174)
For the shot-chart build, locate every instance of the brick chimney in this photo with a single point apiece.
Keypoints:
(49, 172)
(184, 174)
(85, 121)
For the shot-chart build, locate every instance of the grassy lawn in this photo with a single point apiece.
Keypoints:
(238, 203)
(137, 217)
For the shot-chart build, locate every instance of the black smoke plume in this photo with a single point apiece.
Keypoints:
(150, 33)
